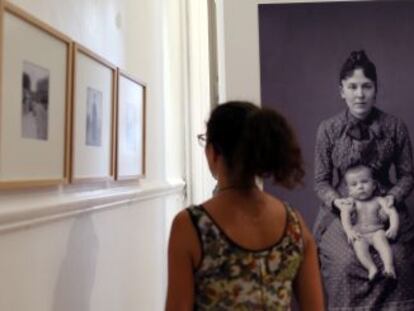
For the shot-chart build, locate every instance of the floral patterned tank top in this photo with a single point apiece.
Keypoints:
(231, 277)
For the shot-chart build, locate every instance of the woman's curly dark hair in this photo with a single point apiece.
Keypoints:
(254, 142)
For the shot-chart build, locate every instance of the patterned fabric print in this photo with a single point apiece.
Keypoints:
(388, 145)
(233, 278)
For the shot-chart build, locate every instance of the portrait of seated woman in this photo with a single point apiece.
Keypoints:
(362, 131)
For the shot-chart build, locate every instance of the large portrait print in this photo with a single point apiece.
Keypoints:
(341, 73)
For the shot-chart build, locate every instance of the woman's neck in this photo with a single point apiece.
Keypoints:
(226, 182)
(361, 117)
(243, 188)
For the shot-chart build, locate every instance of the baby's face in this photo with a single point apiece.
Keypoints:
(360, 184)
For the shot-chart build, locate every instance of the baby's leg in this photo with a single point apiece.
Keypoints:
(361, 248)
(380, 243)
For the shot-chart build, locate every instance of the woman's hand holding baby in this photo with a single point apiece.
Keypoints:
(343, 203)
(352, 235)
(391, 233)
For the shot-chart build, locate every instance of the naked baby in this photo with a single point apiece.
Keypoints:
(368, 228)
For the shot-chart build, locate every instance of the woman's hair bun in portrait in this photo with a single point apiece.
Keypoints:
(254, 142)
(359, 56)
(358, 60)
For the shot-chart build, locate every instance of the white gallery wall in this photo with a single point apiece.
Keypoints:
(103, 246)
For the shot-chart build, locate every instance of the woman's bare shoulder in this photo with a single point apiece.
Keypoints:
(182, 226)
(183, 236)
(282, 205)
(275, 202)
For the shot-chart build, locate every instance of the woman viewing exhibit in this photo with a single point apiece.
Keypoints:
(244, 249)
(363, 134)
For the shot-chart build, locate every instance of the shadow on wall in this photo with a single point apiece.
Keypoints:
(77, 273)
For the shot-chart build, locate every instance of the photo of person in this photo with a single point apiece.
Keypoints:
(35, 101)
(368, 229)
(341, 72)
(365, 133)
(94, 118)
(131, 129)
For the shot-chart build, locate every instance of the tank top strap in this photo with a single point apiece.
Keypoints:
(200, 219)
(293, 227)
(195, 214)
(207, 230)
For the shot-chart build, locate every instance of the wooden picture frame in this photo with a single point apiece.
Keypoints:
(36, 64)
(93, 104)
(130, 145)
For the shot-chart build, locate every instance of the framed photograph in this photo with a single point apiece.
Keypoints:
(35, 94)
(130, 160)
(341, 72)
(93, 107)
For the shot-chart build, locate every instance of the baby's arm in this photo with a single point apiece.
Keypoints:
(391, 212)
(346, 212)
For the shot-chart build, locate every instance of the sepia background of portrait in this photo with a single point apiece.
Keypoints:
(302, 48)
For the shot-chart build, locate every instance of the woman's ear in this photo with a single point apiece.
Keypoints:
(212, 152)
(212, 159)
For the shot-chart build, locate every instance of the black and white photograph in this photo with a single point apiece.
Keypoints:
(130, 162)
(94, 118)
(35, 101)
(93, 106)
(131, 129)
(341, 72)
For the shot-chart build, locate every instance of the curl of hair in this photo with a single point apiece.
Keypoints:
(358, 60)
(255, 142)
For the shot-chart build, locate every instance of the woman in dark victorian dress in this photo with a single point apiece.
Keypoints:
(363, 134)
